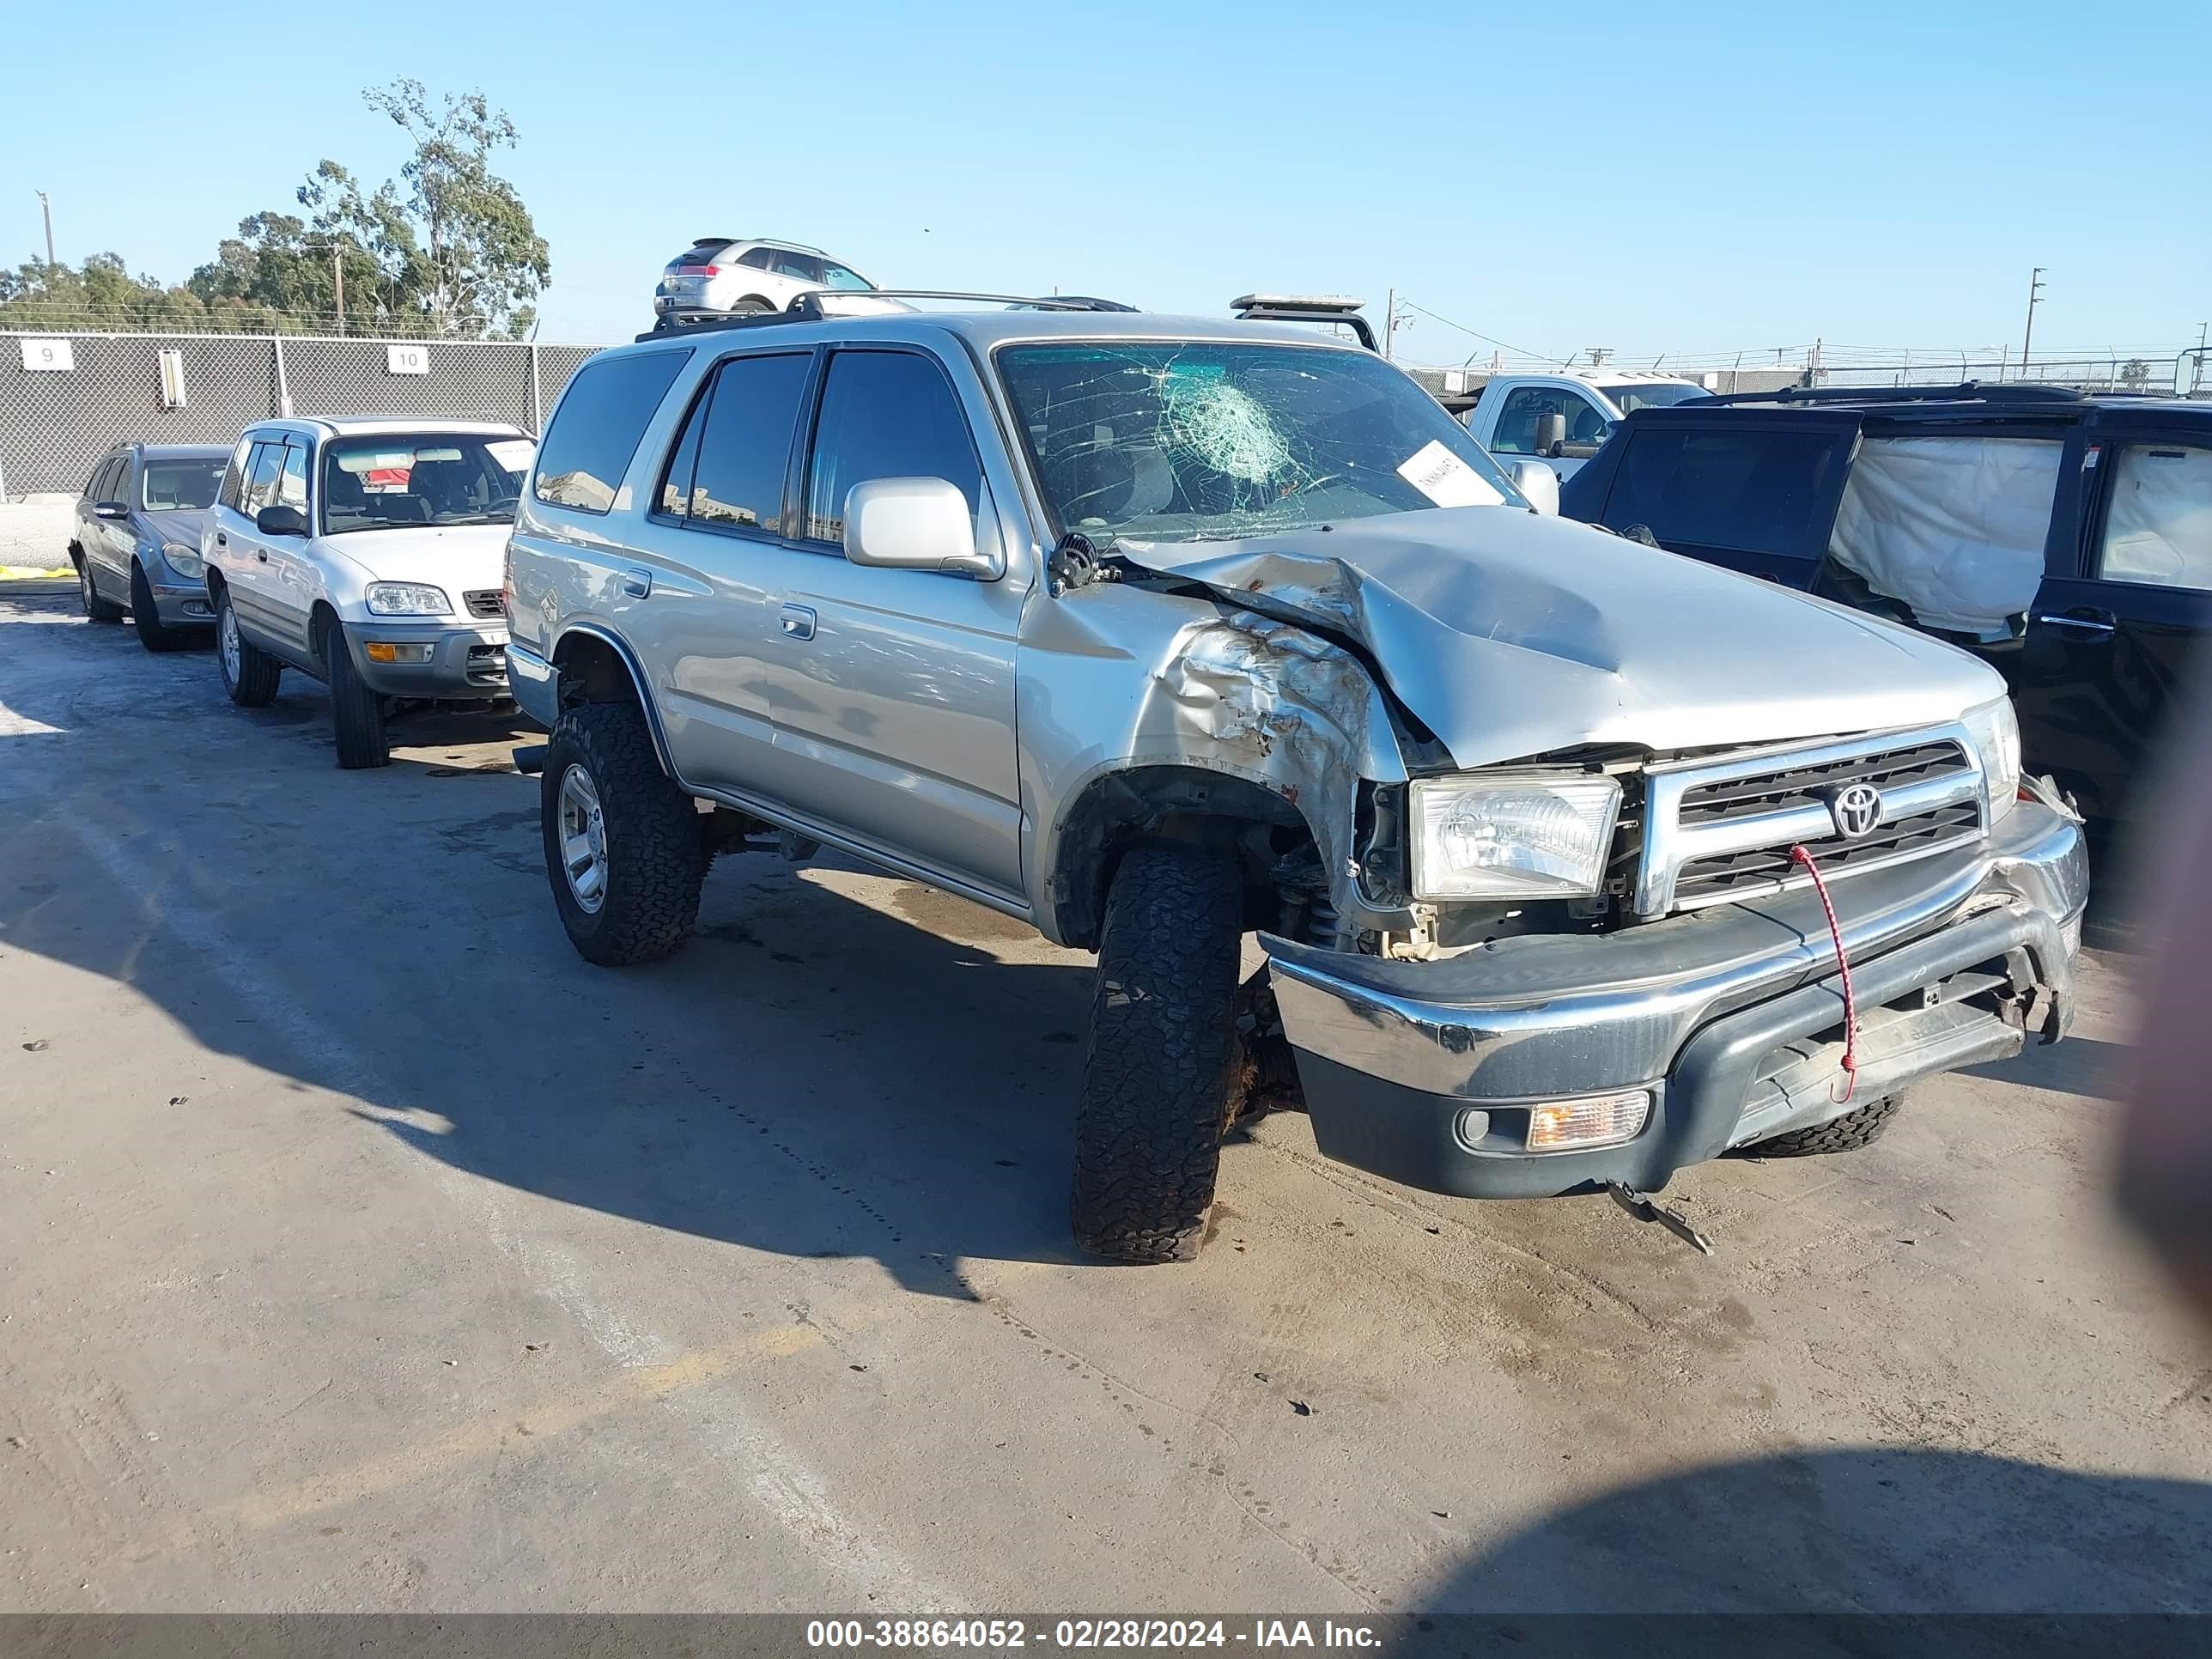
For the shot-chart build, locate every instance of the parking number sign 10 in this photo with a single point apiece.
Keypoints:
(407, 360)
(54, 355)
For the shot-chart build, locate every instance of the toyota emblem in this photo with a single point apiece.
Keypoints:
(1857, 810)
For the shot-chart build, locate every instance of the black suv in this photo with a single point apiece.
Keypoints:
(2066, 539)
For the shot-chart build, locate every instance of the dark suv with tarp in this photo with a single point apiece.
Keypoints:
(2066, 539)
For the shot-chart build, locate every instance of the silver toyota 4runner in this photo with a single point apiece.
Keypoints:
(1155, 632)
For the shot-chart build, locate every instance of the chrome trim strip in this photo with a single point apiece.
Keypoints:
(1669, 845)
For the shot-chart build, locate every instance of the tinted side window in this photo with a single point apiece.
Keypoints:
(885, 415)
(747, 441)
(597, 428)
(757, 258)
(803, 266)
(1753, 491)
(233, 476)
(106, 483)
(292, 487)
(262, 473)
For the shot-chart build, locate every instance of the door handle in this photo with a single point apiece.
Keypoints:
(2099, 626)
(796, 622)
(637, 581)
(263, 555)
(221, 540)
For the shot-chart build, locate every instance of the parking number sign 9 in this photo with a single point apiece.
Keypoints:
(50, 356)
(407, 360)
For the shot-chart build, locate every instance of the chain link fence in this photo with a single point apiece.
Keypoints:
(65, 399)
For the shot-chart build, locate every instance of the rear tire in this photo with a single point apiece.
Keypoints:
(1156, 1084)
(153, 633)
(249, 673)
(1847, 1133)
(623, 850)
(87, 595)
(356, 712)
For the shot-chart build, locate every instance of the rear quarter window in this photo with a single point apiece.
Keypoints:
(1750, 491)
(597, 426)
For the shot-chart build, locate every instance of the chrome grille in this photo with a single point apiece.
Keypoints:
(1721, 831)
(485, 602)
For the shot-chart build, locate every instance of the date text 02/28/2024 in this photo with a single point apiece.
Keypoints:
(1014, 1635)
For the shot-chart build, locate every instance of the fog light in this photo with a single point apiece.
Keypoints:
(1474, 1125)
(1598, 1120)
(383, 651)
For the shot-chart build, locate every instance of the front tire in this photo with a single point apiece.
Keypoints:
(1847, 1133)
(357, 711)
(1156, 1083)
(88, 596)
(623, 848)
(153, 633)
(249, 673)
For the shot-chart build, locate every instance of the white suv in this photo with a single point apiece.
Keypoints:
(719, 274)
(370, 553)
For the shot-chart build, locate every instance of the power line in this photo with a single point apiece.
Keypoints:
(1503, 345)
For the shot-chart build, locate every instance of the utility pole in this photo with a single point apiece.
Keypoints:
(338, 281)
(2034, 292)
(46, 207)
(2196, 379)
(1389, 322)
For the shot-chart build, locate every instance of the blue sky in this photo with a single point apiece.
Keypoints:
(1654, 178)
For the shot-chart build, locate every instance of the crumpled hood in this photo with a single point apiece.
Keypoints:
(456, 557)
(1513, 636)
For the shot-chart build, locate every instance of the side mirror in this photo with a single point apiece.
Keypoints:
(281, 521)
(915, 524)
(111, 509)
(1539, 484)
(1550, 432)
(1577, 452)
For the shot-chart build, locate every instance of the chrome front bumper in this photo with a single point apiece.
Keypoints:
(1731, 1017)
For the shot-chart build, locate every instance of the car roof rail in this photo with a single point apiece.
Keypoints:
(1305, 308)
(807, 307)
(1993, 392)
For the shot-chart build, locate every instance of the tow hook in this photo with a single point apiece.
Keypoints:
(1645, 1207)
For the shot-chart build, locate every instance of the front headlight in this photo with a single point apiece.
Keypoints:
(1507, 835)
(406, 599)
(1996, 731)
(185, 561)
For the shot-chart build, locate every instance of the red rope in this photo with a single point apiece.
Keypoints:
(1851, 1062)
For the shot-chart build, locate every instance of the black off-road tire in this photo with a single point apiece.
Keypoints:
(87, 595)
(1156, 1082)
(153, 633)
(1847, 1133)
(655, 855)
(253, 684)
(357, 711)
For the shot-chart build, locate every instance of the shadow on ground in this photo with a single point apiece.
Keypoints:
(813, 1075)
(1868, 1531)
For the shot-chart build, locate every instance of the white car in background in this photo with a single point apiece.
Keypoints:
(717, 275)
(369, 552)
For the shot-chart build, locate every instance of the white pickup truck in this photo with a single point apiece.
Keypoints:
(1507, 415)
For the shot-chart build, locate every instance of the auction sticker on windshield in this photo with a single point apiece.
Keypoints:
(1447, 480)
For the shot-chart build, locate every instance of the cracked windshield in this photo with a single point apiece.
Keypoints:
(1206, 442)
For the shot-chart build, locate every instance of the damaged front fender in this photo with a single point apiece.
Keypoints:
(1219, 690)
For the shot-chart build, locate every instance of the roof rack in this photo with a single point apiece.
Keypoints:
(807, 307)
(1305, 308)
(2015, 392)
